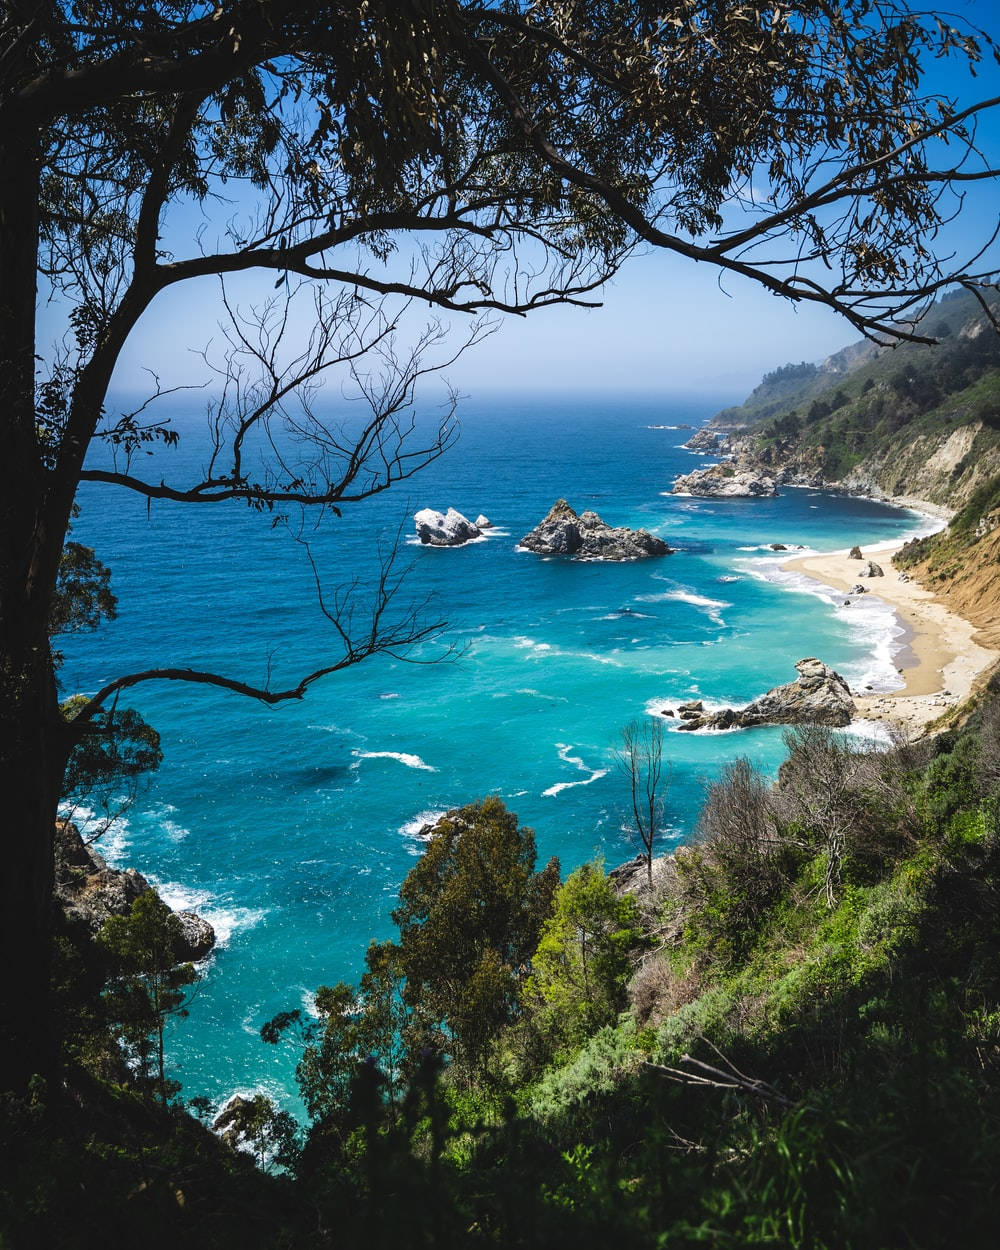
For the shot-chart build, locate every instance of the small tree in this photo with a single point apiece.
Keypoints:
(363, 1025)
(640, 758)
(260, 1128)
(147, 983)
(584, 957)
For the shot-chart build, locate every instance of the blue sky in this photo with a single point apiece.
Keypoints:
(667, 325)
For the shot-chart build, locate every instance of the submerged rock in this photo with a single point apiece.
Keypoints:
(820, 696)
(444, 529)
(90, 892)
(564, 533)
(722, 481)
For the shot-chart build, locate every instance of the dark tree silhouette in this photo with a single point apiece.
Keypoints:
(467, 157)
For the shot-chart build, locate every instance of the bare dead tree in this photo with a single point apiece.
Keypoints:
(640, 759)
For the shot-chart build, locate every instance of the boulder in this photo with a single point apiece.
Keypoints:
(778, 547)
(722, 481)
(859, 589)
(448, 529)
(586, 536)
(90, 892)
(855, 554)
(483, 522)
(871, 569)
(820, 696)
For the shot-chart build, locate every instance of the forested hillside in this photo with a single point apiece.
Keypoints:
(917, 419)
(792, 1039)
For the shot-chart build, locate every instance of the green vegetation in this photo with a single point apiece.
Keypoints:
(794, 1042)
(870, 405)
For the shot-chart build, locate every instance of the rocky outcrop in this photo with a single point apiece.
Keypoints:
(820, 696)
(483, 522)
(565, 533)
(723, 481)
(445, 529)
(871, 569)
(707, 440)
(855, 554)
(90, 892)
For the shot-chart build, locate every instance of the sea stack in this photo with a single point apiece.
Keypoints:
(563, 532)
(445, 529)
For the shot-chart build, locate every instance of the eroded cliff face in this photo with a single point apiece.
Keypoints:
(964, 575)
(945, 468)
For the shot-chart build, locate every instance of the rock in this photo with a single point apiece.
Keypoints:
(778, 547)
(859, 589)
(90, 892)
(483, 522)
(695, 705)
(666, 711)
(722, 481)
(197, 936)
(449, 529)
(704, 440)
(855, 554)
(820, 696)
(632, 877)
(564, 533)
(871, 569)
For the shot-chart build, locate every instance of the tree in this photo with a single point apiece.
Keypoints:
(256, 1125)
(470, 914)
(147, 984)
(584, 958)
(460, 155)
(640, 758)
(357, 1026)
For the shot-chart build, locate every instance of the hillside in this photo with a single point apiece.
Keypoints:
(916, 420)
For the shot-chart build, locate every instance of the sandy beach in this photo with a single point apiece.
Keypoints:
(941, 662)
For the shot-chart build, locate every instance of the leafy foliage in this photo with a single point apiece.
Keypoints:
(147, 985)
(469, 916)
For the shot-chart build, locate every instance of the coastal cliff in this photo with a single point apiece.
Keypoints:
(916, 425)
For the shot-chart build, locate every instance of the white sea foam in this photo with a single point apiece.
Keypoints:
(403, 757)
(873, 624)
(712, 607)
(112, 839)
(654, 707)
(414, 827)
(596, 774)
(390, 694)
(875, 734)
(224, 917)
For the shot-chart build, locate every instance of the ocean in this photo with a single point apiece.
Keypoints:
(291, 828)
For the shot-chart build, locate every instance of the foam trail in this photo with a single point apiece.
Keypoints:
(403, 757)
(872, 623)
(564, 754)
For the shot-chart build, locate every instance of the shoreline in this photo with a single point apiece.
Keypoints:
(940, 661)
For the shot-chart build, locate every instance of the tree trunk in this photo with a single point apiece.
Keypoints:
(31, 745)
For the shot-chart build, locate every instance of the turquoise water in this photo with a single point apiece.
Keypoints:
(291, 828)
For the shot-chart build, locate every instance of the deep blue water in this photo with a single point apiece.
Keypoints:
(291, 828)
